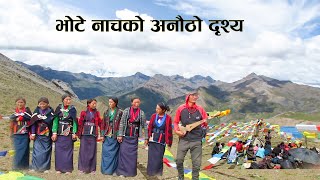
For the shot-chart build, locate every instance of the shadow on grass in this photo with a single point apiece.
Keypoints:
(143, 170)
(228, 175)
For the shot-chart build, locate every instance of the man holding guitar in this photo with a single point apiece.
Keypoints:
(187, 114)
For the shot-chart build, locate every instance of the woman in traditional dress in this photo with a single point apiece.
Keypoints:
(160, 135)
(19, 132)
(64, 130)
(41, 132)
(132, 125)
(89, 122)
(109, 133)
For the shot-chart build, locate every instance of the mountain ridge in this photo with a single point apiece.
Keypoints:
(252, 94)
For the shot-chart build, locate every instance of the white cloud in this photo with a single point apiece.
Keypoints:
(269, 44)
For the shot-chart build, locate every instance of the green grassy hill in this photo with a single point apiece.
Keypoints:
(15, 81)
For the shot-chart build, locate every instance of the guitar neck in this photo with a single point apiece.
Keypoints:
(198, 123)
(214, 116)
(189, 127)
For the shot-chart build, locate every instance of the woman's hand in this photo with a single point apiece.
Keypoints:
(146, 142)
(54, 137)
(102, 138)
(120, 138)
(32, 137)
(74, 137)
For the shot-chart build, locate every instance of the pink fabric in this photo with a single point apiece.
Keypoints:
(255, 149)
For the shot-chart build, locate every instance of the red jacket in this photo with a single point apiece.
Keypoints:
(239, 147)
(168, 129)
(183, 106)
(97, 122)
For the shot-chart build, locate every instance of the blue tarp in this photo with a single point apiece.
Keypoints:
(291, 129)
(218, 155)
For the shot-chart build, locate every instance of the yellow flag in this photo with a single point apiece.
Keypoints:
(224, 113)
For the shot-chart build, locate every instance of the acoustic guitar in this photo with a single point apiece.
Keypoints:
(189, 127)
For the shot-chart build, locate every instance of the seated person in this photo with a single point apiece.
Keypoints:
(264, 164)
(276, 150)
(239, 146)
(250, 153)
(267, 148)
(260, 152)
(216, 149)
(255, 149)
(276, 159)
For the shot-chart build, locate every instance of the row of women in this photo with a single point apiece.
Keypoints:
(119, 131)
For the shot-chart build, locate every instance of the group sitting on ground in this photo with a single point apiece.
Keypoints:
(272, 158)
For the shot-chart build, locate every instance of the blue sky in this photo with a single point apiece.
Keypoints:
(278, 37)
(309, 29)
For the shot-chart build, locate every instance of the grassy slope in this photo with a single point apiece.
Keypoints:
(13, 85)
(305, 116)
